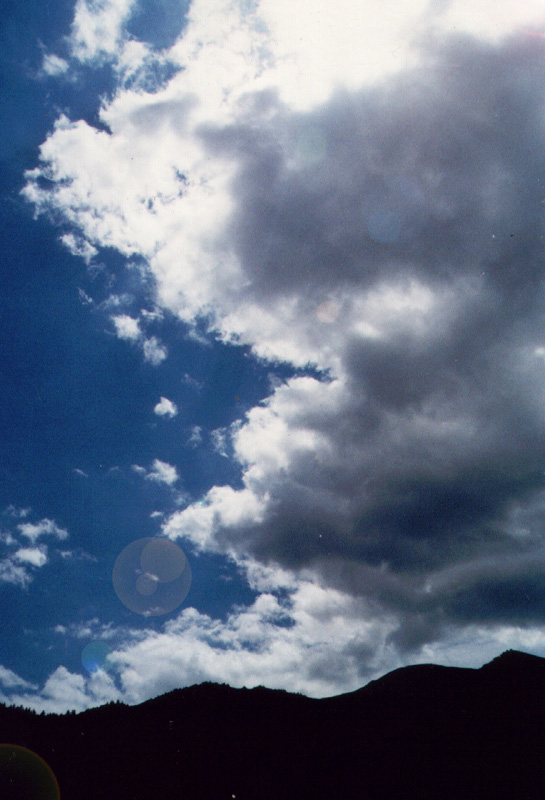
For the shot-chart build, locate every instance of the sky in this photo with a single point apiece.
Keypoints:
(273, 323)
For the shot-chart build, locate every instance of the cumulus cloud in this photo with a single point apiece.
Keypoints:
(382, 221)
(314, 644)
(165, 408)
(37, 556)
(9, 680)
(66, 690)
(161, 472)
(126, 327)
(296, 635)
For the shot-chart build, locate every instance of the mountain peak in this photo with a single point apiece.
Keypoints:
(513, 660)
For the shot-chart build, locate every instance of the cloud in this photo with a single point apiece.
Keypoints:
(10, 680)
(196, 436)
(127, 328)
(219, 440)
(297, 635)
(98, 28)
(138, 469)
(160, 472)
(36, 556)
(66, 690)
(18, 562)
(14, 573)
(383, 222)
(313, 645)
(53, 66)
(20, 513)
(154, 352)
(16, 568)
(46, 527)
(165, 408)
(79, 247)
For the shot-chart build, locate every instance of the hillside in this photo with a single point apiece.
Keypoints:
(426, 732)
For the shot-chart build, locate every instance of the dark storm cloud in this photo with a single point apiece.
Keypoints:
(437, 174)
(427, 501)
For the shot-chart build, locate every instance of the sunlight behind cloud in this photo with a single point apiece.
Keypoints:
(351, 190)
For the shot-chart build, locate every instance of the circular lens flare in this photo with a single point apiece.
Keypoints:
(152, 576)
(25, 776)
(146, 584)
(95, 657)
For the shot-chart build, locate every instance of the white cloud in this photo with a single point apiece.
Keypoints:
(129, 329)
(65, 690)
(21, 513)
(490, 20)
(126, 327)
(196, 436)
(138, 469)
(19, 563)
(97, 29)
(221, 506)
(154, 352)
(90, 629)
(53, 66)
(219, 439)
(14, 573)
(36, 556)
(79, 247)
(301, 188)
(9, 680)
(46, 527)
(161, 472)
(314, 647)
(165, 408)
(319, 642)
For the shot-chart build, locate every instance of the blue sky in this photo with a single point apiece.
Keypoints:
(272, 290)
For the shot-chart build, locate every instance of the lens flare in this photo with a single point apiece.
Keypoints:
(327, 312)
(152, 576)
(25, 776)
(95, 656)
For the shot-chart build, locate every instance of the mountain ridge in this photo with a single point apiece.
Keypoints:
(426, 731)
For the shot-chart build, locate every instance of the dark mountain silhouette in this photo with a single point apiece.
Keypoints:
(426, 732)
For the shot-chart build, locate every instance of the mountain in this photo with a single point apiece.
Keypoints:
(426, 732)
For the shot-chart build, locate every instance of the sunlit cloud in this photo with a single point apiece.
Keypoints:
(98, 28)
(336, 186)
(159, 472)
(165, 408)
(127, 328)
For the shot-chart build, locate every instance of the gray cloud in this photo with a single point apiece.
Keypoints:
(392, 237)
(435, 446)
(421, 177)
